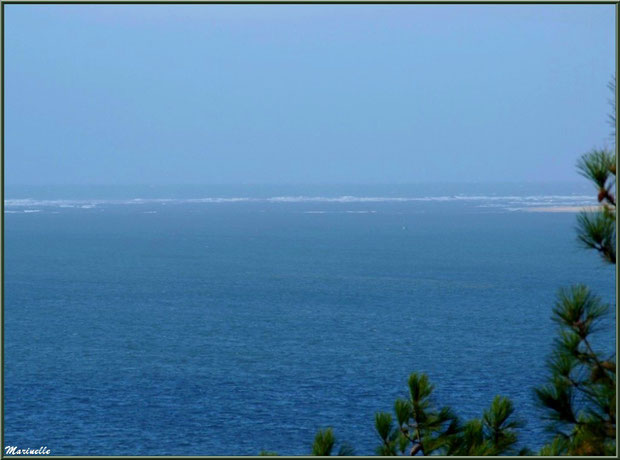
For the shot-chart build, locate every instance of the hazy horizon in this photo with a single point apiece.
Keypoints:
(22, 195)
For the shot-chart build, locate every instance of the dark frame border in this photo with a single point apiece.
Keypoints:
(247, 2)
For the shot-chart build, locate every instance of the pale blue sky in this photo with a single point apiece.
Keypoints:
(202, 94)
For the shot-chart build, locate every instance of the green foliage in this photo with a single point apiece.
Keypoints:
(324, 443)
(494, 434)
(422, 428)
(597, 230)
(577, 311)
(346, 450)
(580, 395)
(557, 447)
(499, 428)
(599, 166)
(267, 453)
(471, 441)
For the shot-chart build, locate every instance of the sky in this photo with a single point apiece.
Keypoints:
(308, 94)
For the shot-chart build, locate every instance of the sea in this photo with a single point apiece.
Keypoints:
(227, 320)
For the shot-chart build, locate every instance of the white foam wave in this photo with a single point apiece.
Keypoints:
(486, 200)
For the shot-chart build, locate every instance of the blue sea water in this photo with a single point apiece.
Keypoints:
(162, 321)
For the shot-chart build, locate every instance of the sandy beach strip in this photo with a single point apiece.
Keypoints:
(562, 209)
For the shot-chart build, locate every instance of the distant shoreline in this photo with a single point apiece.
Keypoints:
(562, 209)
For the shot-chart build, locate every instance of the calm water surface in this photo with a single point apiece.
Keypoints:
(221, 326)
